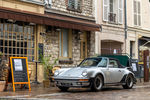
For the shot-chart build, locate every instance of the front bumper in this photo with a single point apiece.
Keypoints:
(72, 82)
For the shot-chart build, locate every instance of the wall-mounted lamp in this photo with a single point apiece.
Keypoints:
(100, 28)
(11, 20)
(78, 34)
(33, 24)
(42, 34)
(57, 29)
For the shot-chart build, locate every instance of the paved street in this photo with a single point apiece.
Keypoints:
(111, 93)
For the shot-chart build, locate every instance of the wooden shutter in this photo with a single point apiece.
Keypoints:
(105, 10)
(50, 2)
(139, 13)
(135, 12)
(45, 1)
(120, 11)
(70, 43)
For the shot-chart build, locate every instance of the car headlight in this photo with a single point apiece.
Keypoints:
(84, 73)
(56, 73)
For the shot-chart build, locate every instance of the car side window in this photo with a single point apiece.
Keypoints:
(113, 63)
(103, 62)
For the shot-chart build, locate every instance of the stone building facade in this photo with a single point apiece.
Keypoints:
(52, 47)
(112, 35)
(111, 39)
(62, 29)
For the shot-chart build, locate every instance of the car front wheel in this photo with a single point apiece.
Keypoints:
(129, 82)
(97, 83)
(63, 88)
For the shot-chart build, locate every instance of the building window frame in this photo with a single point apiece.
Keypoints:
(137, 13)
(75, 5)
(67, 40)
(17, 40)
(83, 45)
(114, 15)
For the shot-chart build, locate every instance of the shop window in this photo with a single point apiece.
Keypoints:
(65, 38)
(74, 5)
(17, 40)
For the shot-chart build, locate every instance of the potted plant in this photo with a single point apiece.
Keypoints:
(48, 66)
(3, 72)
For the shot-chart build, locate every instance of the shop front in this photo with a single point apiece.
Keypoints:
(65, 38)
(144, 50)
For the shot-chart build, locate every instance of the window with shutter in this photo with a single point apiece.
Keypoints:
(74, 5)
(137, 13)
(105, 10)
(120, 11)
(48, 3)
(111, 12)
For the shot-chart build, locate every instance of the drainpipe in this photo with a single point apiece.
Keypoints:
(125, 24)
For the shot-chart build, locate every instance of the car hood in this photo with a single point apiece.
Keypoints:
(73, 72)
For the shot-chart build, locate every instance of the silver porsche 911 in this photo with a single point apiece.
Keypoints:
(95, 73)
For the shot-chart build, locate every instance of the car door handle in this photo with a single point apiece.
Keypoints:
(119, 70)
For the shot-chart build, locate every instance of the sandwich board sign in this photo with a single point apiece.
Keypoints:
(19, 71)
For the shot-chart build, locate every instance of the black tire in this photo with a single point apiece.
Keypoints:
(129, 82)
(63, 88)
(97, 83)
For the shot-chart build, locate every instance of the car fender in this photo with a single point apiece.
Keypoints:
(92, 73)
(126, 74)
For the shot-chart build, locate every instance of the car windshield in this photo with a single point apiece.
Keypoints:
(101, 62)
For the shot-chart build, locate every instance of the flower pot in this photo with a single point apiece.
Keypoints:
(2, 85)
(46, 83)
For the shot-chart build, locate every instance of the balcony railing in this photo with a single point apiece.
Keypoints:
(74, 5)
(112, 17)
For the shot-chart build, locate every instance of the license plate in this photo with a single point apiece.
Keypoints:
(66, 84)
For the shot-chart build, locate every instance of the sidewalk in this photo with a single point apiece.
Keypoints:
(140, 82)
(38, 91)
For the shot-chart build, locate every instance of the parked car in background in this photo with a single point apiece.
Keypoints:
(95, 73)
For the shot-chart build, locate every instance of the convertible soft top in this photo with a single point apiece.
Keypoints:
(124, 59)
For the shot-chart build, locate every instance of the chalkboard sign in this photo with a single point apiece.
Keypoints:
(19, 71)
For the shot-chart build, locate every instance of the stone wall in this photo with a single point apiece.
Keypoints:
(87, 7)
(51, 47)
(91, 45)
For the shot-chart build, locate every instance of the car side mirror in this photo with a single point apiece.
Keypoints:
(110, 66)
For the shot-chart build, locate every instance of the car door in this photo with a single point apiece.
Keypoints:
(104, 69)
(116, 73)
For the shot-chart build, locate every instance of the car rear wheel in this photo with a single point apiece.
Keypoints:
(97, 83)
(63, 88)
(129, 82)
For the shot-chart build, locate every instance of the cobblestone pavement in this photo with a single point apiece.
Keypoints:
(141, 92)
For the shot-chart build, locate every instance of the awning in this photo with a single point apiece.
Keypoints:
(49, 19)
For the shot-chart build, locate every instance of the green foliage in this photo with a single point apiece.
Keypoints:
(48, 66)
(1, 54)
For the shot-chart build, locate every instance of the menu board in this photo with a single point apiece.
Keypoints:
(19, 71)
